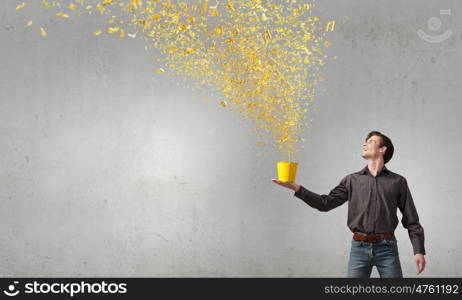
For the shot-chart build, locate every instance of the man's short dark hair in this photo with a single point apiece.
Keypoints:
(384, 141)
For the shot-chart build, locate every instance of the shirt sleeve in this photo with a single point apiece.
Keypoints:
(410, 219)
(336, 197)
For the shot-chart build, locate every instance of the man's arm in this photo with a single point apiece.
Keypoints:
(410, 218)
(336, 197)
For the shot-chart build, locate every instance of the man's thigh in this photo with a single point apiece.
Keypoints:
(386, 259)
(359, 264)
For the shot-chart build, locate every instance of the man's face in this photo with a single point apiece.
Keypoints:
(371, 149)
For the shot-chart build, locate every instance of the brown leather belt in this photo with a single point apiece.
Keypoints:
(371, 238)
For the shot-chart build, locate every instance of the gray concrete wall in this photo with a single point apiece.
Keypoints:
(110, 169)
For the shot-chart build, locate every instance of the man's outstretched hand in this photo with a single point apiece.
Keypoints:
(288, 184)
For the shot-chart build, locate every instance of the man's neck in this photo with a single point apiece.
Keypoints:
(375, 166)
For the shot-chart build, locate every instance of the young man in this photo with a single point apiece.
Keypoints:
(373, 196)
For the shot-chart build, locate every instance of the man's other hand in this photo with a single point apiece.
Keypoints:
(288, 184)
(420, 262)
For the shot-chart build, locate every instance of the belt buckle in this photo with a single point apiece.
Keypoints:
(371, 238)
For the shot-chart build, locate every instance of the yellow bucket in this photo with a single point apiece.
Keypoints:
(287, 171)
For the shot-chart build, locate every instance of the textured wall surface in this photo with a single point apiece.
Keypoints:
(110, 169)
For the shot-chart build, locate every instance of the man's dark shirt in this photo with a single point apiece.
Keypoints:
(372, 203)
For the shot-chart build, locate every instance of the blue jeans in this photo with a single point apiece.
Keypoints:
(382, 254)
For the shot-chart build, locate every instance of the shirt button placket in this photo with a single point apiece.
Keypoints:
(377, 201)
(376, 204)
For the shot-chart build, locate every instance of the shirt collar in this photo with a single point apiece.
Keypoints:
(365, 170)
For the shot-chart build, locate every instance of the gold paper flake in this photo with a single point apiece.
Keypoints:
(62, 15)
(21, 6)
(330, 26)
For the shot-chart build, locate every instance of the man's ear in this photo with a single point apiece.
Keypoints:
(384, 149)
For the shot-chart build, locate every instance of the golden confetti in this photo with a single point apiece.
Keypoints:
(43, 32)
(189, 50)
(45, 4)
(330, 26)
(62, 15)
(21, 6)
(213, 12)
(219, 30)
(112, 30)
(266, 36)
(29, 23)
(264, 57)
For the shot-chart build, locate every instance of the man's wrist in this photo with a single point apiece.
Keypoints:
(296, 188)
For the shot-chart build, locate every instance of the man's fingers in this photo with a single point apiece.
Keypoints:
(282, 183)
(420, 267)
(277, 181)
